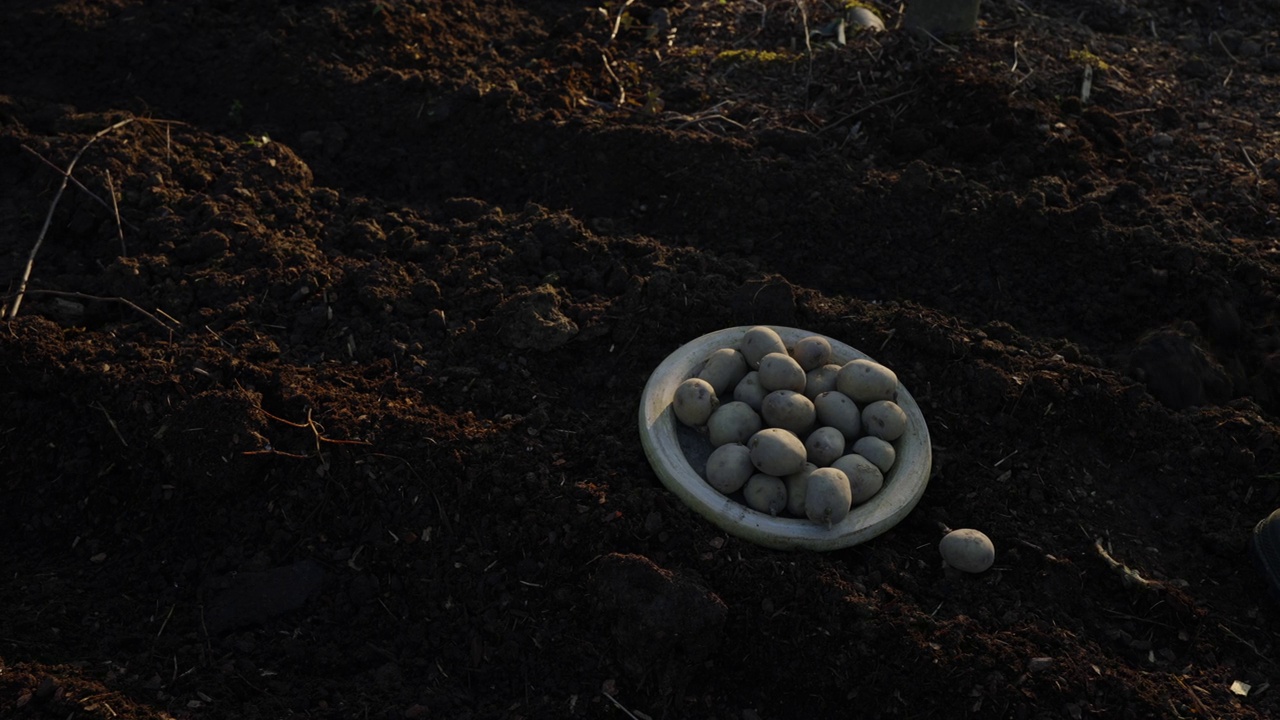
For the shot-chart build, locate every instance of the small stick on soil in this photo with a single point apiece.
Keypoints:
(48, 219)
(620, 706)
(110, 422)
(1127, 574)
(622, 91)
(1252, 164)
(617, 22)
(955, 50)
(97, 198)
(165, 624)
(83, 296)
(1196, 699)
(808, 51)
(849, 116)
(1234, 59)
(115, 208)
(1246, 643)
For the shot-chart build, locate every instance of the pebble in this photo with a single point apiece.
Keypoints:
(1039, 663)
(1162, 140)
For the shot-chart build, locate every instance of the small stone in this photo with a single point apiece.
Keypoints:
(1039, 664)
(1271, 63)
(653, 522)
(48, 686)
(1162, 140)
(1250, 48)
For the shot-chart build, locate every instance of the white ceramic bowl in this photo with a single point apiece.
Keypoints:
(673, 450)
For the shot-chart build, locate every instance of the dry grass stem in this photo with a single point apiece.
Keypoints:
(94, 196)
(115, 208)
(111, 422)
(99, 298)
(48, 220)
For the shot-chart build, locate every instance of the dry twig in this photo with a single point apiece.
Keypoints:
(48, 220)
(115, 208)
(1128, 575)
(123, 301)
(316, 431)
(96, 198)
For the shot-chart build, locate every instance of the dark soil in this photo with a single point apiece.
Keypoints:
(321, 400)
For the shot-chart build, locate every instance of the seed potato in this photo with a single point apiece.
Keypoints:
(968, 550)
(749, 391)
(733, 422)
(812, 352)
(729, 467)
(865, 479)
(884, 419)
(799, 434)
(724, 369)
(797, 485)
(776, 452)
(835, 409)
(760, 341)
(827, 498)
(765, 493)
(865, 381)
(694, 401)
(824, 445)
(881, 453)
(780, 371)
(788, 410)
(820, 380)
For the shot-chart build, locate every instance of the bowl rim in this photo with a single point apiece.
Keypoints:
(904, 485)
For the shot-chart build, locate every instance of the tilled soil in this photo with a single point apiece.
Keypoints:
(321, 399)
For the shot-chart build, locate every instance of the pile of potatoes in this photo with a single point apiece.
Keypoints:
(796, 433)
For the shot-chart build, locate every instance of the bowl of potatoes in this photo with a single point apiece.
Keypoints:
(786, 438)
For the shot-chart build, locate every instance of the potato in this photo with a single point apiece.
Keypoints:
(765, 493)
(760, 341)
(827, 498)
(724, 368)
(865, 381)
(729, 467)
(788, 410)
(733, 422)
(835, 409)
(820, 380)
(776, 452)
(749, 391)
(885, 420)
(879, 452)
(797, 485)
(967, 550)
(865, 479)
(812, 352)
(824, 445)
(779, 371)
(694, 401)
